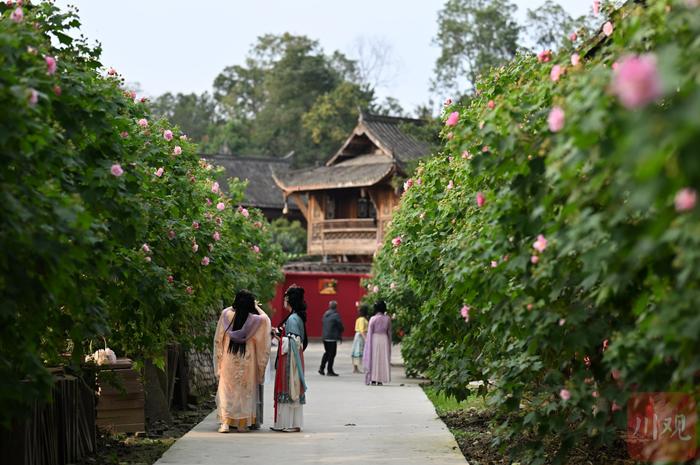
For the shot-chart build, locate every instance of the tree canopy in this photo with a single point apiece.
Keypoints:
(291, 95)
(477, 35)
(473, 36)
(287, 82)
(192, 112)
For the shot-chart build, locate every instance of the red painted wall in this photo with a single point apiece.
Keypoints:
(349, 292)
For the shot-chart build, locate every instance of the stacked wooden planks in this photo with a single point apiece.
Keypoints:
(57, 432)
(120, 401)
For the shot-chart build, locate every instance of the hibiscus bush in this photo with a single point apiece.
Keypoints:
(112, 226)
(551, 250)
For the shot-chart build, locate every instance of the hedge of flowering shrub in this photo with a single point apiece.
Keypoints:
(111, 225)
(552, 249)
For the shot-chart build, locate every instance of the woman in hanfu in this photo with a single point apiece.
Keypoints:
(376, 358)
(290, 386)
(241, 353)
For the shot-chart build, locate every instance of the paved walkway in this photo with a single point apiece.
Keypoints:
(345, 422)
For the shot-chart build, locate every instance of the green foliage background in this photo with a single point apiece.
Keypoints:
(290, 236)
(73, 267)
(612, 306)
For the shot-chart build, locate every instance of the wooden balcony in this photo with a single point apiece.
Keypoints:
(345, 236)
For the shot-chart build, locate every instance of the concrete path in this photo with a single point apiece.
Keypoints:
(345, 422)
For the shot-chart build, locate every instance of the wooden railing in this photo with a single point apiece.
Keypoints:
(344, 236)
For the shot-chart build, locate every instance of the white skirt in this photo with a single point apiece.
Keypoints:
(290, 415)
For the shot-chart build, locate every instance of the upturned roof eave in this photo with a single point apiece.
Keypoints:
(359, 130)
(290, 189)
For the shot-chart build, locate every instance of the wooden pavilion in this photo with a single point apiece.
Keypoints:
(348, 202)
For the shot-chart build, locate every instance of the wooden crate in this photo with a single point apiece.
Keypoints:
(120, 407)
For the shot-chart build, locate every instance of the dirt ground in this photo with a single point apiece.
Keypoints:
(473, 431)
(123, 449)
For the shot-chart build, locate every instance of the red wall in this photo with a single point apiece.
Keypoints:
(349, 292)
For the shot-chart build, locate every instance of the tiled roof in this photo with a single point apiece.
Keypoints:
(364, 171)
(385, 134)
(262, 192)
(389, 131)
(333, 267)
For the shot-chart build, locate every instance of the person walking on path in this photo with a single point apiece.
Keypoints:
(290, 385)
(377, 355)
(241, 353)
(332, 333)
(358, 343)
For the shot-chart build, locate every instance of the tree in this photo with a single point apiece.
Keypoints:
(193, 113)
(376, 65)
(389, 107)
(290, 95)
(473, 35)
(333, 115)
(289, 235)
(228, 136)
(292, 85)
(549, 26)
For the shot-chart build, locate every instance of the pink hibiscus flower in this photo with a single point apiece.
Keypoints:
(480, 199)
(556, 73)
(540, 244)
(452, 119)
(637, 81)
(17, 16)
(685, 199)
(116, 170)
(608, 29)
(556, 119)
(544, 56)
(50, 64)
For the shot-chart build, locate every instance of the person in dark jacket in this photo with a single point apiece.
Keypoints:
(332, 333)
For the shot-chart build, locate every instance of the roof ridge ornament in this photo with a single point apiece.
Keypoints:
(361, 114)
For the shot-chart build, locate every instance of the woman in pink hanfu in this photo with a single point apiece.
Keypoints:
(376, 358)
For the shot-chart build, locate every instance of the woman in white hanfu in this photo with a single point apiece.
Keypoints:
(290, 385)
(241, 353)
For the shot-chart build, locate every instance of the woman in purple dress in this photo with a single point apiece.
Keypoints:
(376, 359)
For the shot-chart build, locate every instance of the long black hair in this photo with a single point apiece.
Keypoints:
(243, 305)
(295, 299)
(379, 307)
(364, 310)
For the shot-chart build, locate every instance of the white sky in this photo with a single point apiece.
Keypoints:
(181, 46)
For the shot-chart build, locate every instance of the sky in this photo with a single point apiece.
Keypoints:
(181, 46)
